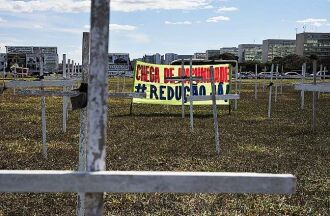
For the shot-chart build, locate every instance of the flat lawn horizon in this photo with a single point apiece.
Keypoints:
(155, 138)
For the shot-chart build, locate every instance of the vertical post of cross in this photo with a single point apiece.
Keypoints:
(270, 93)
(65, 98)
(236, 85)
(302, 93)
(215, 112)
(43, 111)
(282, 74)
(15, 77)
(256, 84)
(264, 79)
(314, 95)
(83, 122)
(4, 75)
(276, 83)
(72, 69)
(69, 68)
(321, 70)
(182, 87)
(191, 94)
(97, 98)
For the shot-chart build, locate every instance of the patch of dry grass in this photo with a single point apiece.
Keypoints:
(156, 138)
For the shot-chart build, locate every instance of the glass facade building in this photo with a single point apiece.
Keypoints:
(313, 44)
(273, 48)
(249, 52)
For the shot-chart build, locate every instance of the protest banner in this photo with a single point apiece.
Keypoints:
(161, 87)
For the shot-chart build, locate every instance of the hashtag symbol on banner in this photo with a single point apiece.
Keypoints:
(140, 88)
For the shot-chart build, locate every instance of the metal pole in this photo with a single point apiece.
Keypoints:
(43, 113)
(314, 95)
(65, 99)
(182, 87)
(97, 98)
(215, 112)
(83, 122)
(191, 102)
(270, 94)
(256, 84)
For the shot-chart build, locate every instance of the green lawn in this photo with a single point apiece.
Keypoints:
(156, 138)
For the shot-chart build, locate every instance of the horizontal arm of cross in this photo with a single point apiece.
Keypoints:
(145, 182)
(127, 95)
(48, 93)
(40, 84)
(322, 87)
(217, 97)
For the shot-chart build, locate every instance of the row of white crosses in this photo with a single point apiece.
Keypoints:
(213, 97)
(42, 83)
(320, 87)
(94, 180)
(264, 81)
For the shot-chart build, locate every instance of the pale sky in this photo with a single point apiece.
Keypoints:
(143, 27)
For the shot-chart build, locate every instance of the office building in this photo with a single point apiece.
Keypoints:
(157, 58)
(148, 59)
(273, 48)
(212, 54)
(231, 50)
(249, 52)
(169, 57)
(185, 56)
(199, 56)
(318, 44)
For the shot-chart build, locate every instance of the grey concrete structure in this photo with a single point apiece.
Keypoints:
(249, 52)
(272, 48)
(29, 56)
(313, 44)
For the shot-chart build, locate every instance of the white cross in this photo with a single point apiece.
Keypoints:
(315, 87)
(43, 93)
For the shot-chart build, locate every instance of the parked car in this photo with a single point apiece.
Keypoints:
(246, 75)
(267, 75)
(292, 75)
(322, 74)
